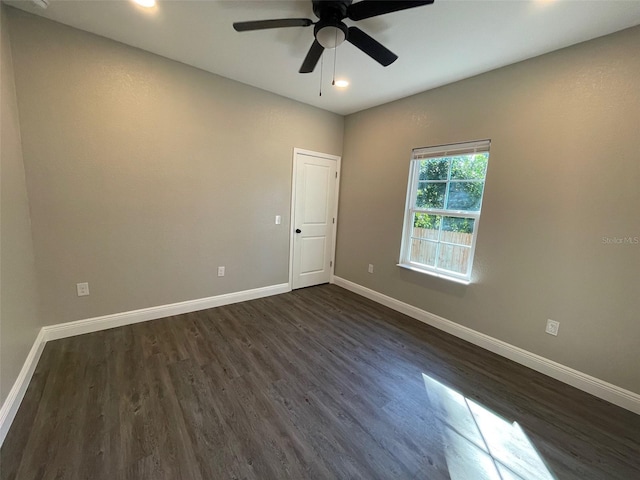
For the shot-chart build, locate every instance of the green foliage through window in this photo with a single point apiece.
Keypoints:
(452, 183)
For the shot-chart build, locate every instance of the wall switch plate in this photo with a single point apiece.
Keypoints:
(370, 268)
(221, 271)
(83, 289)
(278, 219)
(552, 327)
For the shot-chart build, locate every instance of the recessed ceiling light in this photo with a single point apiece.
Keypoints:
(41, 3)
(146, 3)
(341, 83)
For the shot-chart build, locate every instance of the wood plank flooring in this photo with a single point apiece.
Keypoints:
(318, 383)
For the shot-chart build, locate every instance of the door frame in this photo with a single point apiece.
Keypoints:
(294, 172)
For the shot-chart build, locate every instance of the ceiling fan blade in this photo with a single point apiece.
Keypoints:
(371, 47)
(311, 60)
(264, 24)
(373, 8)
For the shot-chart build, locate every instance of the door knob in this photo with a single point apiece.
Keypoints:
(298, 230)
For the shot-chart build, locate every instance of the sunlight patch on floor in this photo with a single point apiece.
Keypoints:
(480, 444)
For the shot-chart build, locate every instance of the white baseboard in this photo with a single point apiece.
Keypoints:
(599, 388)
(79, 327)
(16, 394)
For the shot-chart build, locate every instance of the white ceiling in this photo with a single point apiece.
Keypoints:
(437, 44)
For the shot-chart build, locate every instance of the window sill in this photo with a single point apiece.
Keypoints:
(434, 274)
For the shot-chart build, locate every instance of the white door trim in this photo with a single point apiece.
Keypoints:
(326, 156)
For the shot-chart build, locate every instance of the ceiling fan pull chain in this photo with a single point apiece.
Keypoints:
(321, 68)
(335, 54)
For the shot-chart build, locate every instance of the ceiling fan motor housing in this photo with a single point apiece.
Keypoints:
(326, 9)
(330, 30)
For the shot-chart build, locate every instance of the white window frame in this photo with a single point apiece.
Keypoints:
(417, 155)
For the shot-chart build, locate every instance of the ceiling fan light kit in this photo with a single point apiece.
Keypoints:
(330, 36)
(330, 31)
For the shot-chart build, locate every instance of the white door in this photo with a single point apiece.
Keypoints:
(314, 216)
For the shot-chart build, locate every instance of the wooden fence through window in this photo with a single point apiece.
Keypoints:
(453, 258)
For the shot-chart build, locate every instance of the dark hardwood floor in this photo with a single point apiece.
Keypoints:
(318, 383)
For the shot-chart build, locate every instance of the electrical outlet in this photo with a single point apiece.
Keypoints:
(552, 327)
(370, 268)
(221, 271)
(83, 289)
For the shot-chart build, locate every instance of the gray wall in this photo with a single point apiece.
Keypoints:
(564, 172)
(19, 319)
(145, 174)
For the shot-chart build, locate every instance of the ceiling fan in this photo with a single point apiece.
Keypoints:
(330, 30)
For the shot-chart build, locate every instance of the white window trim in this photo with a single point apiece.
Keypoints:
(409, 210)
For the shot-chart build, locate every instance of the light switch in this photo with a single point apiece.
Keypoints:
(278, 219)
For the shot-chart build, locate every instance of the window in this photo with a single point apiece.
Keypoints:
(444, 197)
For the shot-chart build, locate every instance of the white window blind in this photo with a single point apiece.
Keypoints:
(455, 149)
